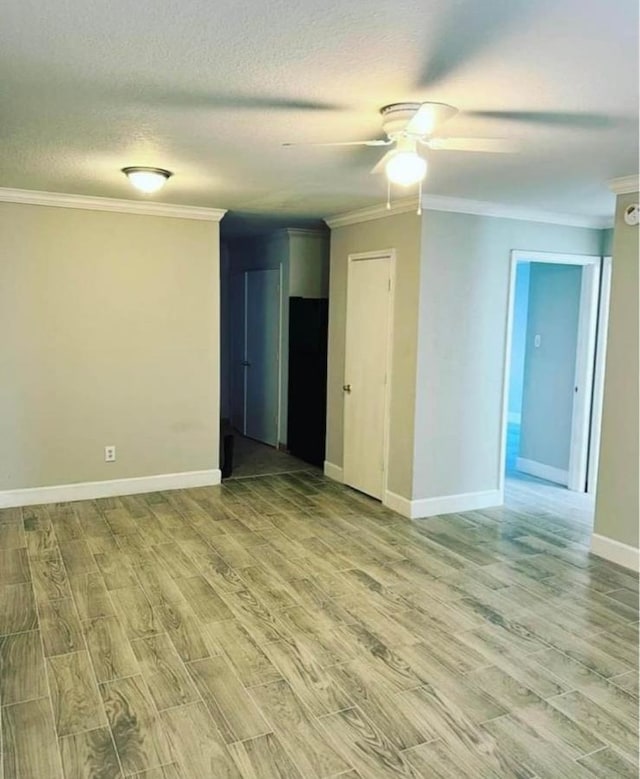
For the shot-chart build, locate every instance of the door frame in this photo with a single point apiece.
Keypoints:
(586, 364)
(382, 254)
(598, 377)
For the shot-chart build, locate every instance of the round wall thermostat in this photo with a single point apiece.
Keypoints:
(632, 214)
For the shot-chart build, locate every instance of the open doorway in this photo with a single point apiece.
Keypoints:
(274, 295)
(554, 370)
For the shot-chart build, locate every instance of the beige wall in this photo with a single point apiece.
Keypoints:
(617, 505)
(402, 233)
(464, 286)
(109, 328)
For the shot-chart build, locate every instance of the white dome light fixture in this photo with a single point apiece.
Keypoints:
(147, 180)
(406, 168)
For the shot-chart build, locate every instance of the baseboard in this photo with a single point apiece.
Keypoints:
(615, 551)
(542, 471)
(398, 503)
(514, 418)
(333, 471)
(447, 504)
(88, 490)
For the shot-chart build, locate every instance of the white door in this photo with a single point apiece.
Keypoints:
(367, 353)
(262, 355)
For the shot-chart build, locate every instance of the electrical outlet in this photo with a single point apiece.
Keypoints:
(109, 454)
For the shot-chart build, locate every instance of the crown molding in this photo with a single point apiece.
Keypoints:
(402, 206)
(315, 232)
(465, 206)
(88, 203)
(625, 185)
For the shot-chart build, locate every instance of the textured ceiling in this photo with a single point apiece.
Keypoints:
(212, 90)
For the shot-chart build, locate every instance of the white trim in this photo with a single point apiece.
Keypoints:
(332, 471)
(89, 490)
(465, 206)
(615, 551)
(398, 503)
(447, 504)
(556, 258)
(307, 232)
(542, 471)
(583, 381)
(591, 264)
(506, 374)
(86, 202)
(598, 376)
(625, 185)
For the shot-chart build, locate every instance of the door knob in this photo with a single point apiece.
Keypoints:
(346, 387)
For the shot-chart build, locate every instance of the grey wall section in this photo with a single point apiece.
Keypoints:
(549, 370)
(519, 338)
(109, 328)
(225, 337)
(617, 504)
(308, 263)
(607, 242)
(463, 291)
(402, 233)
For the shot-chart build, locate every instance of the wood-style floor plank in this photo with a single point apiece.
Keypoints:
(298, 731)
(17, 608)
(111, 653)
(74, 693)
(287, 626)
(164, 672)
(197, 744)
(229, 703)
(139, 739)
(90, 754)
(29, 741)
(264, 758)
(61, 630)
(22, 670)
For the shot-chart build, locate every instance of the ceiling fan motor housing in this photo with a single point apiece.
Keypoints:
(414, 120)
(396, 117)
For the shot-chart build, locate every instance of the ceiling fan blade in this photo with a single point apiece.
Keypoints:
(430, 116)
(585, 121)
(464, 31)
(494, 145)
(380, 166)
(378, 142)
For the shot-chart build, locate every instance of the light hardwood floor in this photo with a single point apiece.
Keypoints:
(286, 626)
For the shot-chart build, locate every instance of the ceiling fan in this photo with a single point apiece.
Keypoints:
(412, 129)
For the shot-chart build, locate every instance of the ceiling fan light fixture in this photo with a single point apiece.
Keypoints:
(406, 168)
(147, 180)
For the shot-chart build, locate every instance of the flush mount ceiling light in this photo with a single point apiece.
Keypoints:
(147, 180)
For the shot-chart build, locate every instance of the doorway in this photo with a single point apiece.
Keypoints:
(554, 368)
(367, 370)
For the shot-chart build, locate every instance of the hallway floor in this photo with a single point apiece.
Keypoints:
(288, 627)
(253, 458)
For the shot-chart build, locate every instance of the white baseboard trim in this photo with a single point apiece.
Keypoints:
(448, 504)
(542, 471)
(88, 490)
(514, 418)
(333, 471)
(398, 503)
(615, 551)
